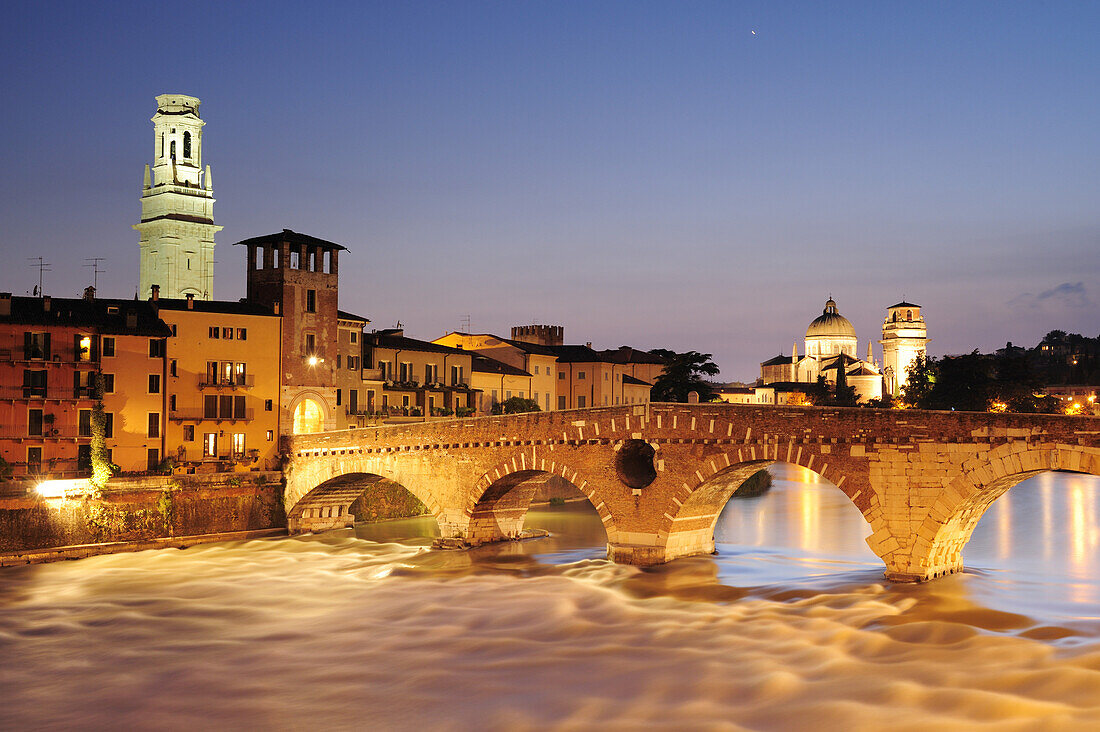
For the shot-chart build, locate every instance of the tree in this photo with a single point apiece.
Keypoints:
(516, 405)
(683, 374)
(843, 395)
(920, 380)
(101, 465)
(818, 394)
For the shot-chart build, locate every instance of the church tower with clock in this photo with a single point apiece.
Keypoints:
(177, 206)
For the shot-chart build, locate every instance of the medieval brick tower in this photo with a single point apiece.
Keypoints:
(296, 276)
(177, 206)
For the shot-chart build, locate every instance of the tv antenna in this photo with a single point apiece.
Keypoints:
(43, 266)
(93, 262)
(466, 324)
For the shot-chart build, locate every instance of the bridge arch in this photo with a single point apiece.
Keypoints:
(328, 505)
(951, 521)
(502, 495)
(690, 529)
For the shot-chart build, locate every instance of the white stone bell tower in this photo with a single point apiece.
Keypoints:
(904, 338)
(177, 206)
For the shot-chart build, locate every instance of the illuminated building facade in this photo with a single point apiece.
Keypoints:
(904, 339)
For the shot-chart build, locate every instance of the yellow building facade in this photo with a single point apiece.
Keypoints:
(223, 384)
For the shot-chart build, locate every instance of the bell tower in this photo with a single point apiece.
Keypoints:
(177, 206)
(904, 338)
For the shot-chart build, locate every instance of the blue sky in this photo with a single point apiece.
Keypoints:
(642, 173)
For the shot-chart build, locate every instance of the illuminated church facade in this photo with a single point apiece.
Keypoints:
(831, 347)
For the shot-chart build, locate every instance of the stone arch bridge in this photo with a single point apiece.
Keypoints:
(659, 475)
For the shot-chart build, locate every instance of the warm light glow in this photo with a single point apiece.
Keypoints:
(1073, 408)
(61, 488)
(312, 360)
(998, 407)
(308, 417)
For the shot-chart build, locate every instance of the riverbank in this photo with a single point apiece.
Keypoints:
(82, 551)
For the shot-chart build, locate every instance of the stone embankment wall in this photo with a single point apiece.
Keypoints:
(135, 509)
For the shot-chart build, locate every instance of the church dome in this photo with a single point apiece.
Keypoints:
(831, 324)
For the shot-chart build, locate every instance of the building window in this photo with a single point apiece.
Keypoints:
(561, 376)
(34, 383)
(34, 422)
(34, 459)
(580, 402)
(295, 258)
(606, 376)
(210, 407)
(154, 383)
(405, 372)
(457, 374)
(186, 145)
(339, 361)
(172, 403)
(172, 367)
(242, 334)
(353, 363)
(338, 394)
(210, 445)
(405, 400)
(536, 371)
(311, 301)
(267, 405)
(354, 337)
(189, 433)
(109, 427)
(84, 423)
(156, 348)
(561, 402)
(36, 346)
(238, 444)
(270, 435)
(580, 374)
(311, 343)
(430, 373)
(108, 346)
(154, 424)
(227, 334)
(214, 332)
(82, 348)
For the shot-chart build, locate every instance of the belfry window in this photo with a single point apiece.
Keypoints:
(186, 145)
(172, 149)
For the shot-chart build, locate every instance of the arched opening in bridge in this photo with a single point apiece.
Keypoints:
(1038, 525)
(308, 417)
(634, 463)
(800, 524)
(504, 510)
(380, 510)
(788, 524)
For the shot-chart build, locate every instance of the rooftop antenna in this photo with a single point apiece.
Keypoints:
(466, 324)
(43, 266)
(93, 262)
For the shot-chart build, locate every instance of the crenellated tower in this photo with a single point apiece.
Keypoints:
(177, 206)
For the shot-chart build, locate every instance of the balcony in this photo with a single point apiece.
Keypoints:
(246, 381)
(199, 415)
(373, 375)
(49, 432)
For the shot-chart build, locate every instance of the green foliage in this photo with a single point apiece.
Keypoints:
(464, 411)
(5, 469)
(516, 405)
(683, 374)
(843, 395)
(102, 468)
(557, 501)
(977, 382)
(166, 506)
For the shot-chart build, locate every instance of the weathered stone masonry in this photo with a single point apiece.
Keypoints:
(921, 479)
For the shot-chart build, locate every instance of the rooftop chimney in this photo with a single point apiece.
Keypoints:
(156, 292)
(190, 299)
(46, 303)
(5, 304)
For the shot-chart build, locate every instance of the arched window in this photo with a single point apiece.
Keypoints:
(162, 144)
(908, 314)
(173, 149)
(308, 417)
(186, 145)
(895, 316)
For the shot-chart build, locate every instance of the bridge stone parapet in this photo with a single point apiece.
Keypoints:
(660, 474)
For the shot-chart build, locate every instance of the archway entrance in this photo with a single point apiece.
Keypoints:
(308, 417)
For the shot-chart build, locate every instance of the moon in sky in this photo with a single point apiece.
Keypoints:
(754, 33)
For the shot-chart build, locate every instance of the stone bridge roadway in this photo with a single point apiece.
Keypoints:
(660, 474)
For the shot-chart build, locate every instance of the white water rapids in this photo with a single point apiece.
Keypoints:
(791, 626)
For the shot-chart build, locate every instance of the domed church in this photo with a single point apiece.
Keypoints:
(831, 345)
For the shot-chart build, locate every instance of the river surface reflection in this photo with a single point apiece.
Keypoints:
(789, 626)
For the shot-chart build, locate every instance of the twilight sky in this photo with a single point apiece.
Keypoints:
(642, 173)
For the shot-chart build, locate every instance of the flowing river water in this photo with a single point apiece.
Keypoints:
(789, 626)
